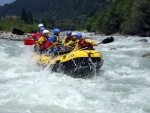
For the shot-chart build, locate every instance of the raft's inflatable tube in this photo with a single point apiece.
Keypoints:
(78, 62)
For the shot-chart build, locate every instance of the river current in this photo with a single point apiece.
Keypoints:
(122, 85)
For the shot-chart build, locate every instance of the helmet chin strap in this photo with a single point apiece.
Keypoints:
(46, 35)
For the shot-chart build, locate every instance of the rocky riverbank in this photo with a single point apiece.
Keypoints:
(14, 37)
(10, 36)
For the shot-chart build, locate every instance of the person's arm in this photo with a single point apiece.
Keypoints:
(92, 42)
(39, 42)
(76, 47)
(69, 43)
(29, 36)
(64, 40)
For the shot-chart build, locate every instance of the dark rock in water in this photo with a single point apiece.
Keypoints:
(146, 55)
(143, 40)
(113, 48)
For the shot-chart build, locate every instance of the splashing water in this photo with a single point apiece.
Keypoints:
(122, 85)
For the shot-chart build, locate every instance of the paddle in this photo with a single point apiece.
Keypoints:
(17, 31)
(32, 42)
(107, 40)
(29, 42)
(26, 41)
(20, 32)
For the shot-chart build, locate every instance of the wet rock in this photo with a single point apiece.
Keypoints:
(143, 40)
(113, 48)
(146, 55)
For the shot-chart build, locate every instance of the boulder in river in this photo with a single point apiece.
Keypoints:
(146, 55)
(143, 40)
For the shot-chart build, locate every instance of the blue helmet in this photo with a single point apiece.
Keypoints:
(69, 32)
(42, 28)
(78, 35)
(56, 31)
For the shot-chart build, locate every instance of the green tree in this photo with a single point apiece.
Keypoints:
(30, 18)
(125, 16)
(24, 16)
(90, 25)
(138, 23)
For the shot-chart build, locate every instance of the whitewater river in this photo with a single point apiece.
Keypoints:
(122, 85)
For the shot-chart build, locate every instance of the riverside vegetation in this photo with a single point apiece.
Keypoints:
(127, 17)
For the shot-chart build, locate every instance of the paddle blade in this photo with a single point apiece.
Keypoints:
(17, 31)
(29, 42)
(108, 40)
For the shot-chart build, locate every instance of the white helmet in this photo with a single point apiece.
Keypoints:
(40, 25)
(73, 34)
(45, 31)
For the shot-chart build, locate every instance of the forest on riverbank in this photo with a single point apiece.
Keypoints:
(127, 17)
(130, 17)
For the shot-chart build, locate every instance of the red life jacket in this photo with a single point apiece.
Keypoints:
(36, 36)
(84, 44)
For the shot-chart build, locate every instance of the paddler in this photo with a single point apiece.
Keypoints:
(67, 39)
(84, 43)
(55, 40)
(42, 41)
(37, 35)
(74, 41)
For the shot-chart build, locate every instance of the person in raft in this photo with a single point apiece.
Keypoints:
(37, 35)
(74, 41)
(55, 40)
(42, 41)
(84, 43)
(67, 39)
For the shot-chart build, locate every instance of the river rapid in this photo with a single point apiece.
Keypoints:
(122, 85)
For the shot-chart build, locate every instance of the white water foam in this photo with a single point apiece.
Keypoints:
(122, 85)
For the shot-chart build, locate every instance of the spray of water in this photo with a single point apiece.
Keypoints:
(120, 86)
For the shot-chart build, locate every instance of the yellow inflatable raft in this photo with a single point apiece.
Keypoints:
(78, 63)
